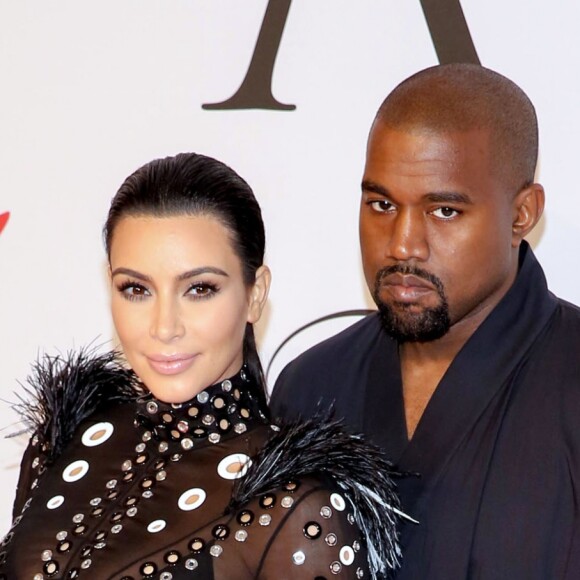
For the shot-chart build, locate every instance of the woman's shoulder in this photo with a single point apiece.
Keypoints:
(305, 528)
(63, 390)
(314, 480)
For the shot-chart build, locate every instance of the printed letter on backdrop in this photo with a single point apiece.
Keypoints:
(255, 91)
(449, 31)
(445, 19)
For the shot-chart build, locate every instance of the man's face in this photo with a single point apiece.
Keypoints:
(435, 230)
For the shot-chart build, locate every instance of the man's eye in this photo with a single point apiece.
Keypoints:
(445, 213)
(381, 206)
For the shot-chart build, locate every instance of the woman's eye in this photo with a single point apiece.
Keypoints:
(445, 213)
(133, 291)
(381, 206)
(202, 290)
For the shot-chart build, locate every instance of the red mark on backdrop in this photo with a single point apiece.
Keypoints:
(4, 220)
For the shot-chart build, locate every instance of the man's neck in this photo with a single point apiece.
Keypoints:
(443, 350)
(423, 364)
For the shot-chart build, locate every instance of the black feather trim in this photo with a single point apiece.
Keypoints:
(63, 390)
(323, 446)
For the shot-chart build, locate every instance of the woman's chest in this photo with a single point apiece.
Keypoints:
(117, 502)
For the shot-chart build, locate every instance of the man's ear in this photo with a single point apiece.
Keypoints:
(259, 293)
(528, 208)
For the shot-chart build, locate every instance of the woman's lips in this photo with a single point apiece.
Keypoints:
(171, 364)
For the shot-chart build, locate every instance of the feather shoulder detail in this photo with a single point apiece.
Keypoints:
(321, 446)
(65, 389)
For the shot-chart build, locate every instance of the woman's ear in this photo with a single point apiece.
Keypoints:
(528, 208)
(259, 293)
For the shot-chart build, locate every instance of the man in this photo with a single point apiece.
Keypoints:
(469, 374)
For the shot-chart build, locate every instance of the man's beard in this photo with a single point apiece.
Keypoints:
(404, 325)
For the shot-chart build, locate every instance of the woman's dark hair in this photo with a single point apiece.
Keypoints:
(193, 184)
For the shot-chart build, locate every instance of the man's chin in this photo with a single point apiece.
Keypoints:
(415, 324)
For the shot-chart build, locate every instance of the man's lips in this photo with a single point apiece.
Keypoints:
(170, 364)
(407, 281)
(406, 287)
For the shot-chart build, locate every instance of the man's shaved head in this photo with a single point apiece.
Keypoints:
(464, 97)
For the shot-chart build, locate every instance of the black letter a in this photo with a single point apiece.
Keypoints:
(255, 91)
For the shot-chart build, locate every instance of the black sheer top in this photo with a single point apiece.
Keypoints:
(143, 489)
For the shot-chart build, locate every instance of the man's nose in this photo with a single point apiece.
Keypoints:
(408, 239)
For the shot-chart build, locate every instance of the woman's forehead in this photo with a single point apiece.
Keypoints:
(172, 241)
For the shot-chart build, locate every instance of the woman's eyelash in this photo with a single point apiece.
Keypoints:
(133, 290)
(138, 293)
(127, 284)
(202, 290)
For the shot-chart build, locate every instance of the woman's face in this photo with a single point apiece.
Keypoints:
(179, 302)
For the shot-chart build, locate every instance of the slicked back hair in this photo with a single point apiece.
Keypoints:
(191, 184)
(464, 97)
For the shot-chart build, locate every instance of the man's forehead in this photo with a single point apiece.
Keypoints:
(421, 132)
(426, 163)
(419, 145)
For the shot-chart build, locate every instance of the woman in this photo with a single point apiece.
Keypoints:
(172, 469)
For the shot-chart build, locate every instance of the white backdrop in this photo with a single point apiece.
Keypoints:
(92, 90)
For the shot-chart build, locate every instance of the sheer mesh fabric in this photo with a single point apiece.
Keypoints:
(143, 489)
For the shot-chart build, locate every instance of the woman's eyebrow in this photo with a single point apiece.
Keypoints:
(185, 276)
(202, 270)
(132, 273)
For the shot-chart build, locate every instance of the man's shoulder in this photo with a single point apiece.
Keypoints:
(570, 311)
(553, 371)
(326, 371)
(554, 358)
(565, 325)
(342, 348)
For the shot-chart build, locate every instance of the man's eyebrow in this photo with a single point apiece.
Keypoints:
(449, 197)
(373, 187)
(185, 276)
(435, 197)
